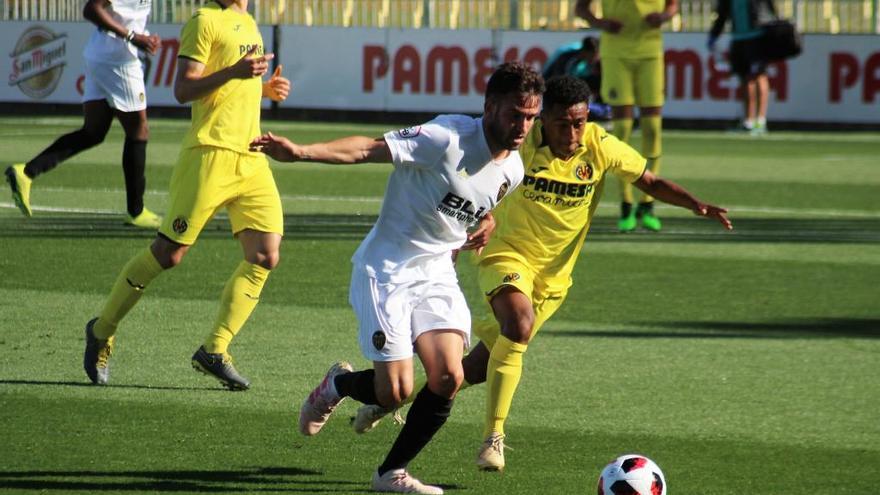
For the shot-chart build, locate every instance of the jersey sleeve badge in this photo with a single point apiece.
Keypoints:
(409, 132)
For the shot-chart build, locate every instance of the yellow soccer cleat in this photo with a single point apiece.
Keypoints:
(20, 184)
(145, 220)
(96, 358)
(491, 455)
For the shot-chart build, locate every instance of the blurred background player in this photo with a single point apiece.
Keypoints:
(114, 85)
(525, 269)
(631, 50)
(215, 169)
(448, 174)
(581, 59)
(746, 59)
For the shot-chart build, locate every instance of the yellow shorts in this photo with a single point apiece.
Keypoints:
(206, 179)
(633, 81)
(496, 272)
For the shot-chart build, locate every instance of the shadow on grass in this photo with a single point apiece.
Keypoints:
(232, 481)
(340, 226)
(86, 384)
(829, 328)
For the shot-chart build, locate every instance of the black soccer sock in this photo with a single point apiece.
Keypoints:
(625, 209)
(134, 162)
(426, 415)
(645, 208)
(358, 385)
(63, 148)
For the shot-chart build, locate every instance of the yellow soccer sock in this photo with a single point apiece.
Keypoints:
(652, 128)
(126, 292)
(240, 297)
(502, 378)
(622, 130)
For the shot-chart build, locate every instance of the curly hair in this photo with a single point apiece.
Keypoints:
(566, 91)
(514, 77)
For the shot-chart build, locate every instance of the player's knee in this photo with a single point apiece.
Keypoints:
(520, 329)
(267, 259)
(393, 395)
(92, 137)
(168, 254)
(447, 382)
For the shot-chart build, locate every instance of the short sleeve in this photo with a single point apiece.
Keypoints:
(419, 146)
(196, 38)
(621, 159)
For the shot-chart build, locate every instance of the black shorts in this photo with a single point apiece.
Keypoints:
(746, 59)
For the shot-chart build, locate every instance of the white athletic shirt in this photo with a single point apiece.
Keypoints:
(444, 181)
(105, 46)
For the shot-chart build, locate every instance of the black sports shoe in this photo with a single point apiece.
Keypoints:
(96, 358)
(220, 367)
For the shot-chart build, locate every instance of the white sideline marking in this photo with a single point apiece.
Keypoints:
(377, 199)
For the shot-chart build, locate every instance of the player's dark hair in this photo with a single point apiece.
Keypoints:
(590, 44)
(566, 91)
(514, 77)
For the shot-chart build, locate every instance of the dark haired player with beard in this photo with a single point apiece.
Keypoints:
(525, 269)
(448, 174)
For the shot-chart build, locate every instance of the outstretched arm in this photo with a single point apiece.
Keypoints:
(670, 192)
(345, 151)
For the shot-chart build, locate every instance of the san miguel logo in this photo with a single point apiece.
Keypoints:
(37, 62)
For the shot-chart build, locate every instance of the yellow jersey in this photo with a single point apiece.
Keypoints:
(228, 117)
(545, 221)
(637, 39)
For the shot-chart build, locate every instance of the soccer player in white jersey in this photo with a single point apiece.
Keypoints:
(448, 174)
(114, 85)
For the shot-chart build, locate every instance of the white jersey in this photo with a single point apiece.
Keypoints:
(444, 181)
(105, 46)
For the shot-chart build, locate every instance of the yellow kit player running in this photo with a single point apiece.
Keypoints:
(525, 269)
(631, 49)
(219, 71)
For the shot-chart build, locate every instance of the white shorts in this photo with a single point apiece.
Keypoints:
(121, 85)
(391, 316)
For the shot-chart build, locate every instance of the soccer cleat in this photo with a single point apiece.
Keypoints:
(491, 455)
(400, 481)
(96, 358)
(321, 403)
(758, 130)
(20, 184)
(145, 220)
(220, 367)
(645, 214)
(627, 223)
(369, 415)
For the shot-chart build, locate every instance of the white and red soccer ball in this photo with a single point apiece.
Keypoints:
(632, 474)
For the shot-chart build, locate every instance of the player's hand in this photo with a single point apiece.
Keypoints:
(715, 212)
(656, 19)
(279, 148)
(277, 87)
(250, 66)
(612, 26)
(478, 239)
(147, 42)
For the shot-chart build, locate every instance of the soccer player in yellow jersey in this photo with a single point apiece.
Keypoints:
(525, 269)
(631, 49)
(220, 69)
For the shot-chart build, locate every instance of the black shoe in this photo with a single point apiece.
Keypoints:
(96, 358)
(220, 367)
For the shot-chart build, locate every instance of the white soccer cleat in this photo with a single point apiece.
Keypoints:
(400, 481)
(370, 415)
(321, 403)
(491, 455)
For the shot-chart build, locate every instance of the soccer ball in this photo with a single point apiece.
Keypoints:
(632, 475)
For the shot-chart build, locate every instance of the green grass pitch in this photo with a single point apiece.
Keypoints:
(743, 363)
